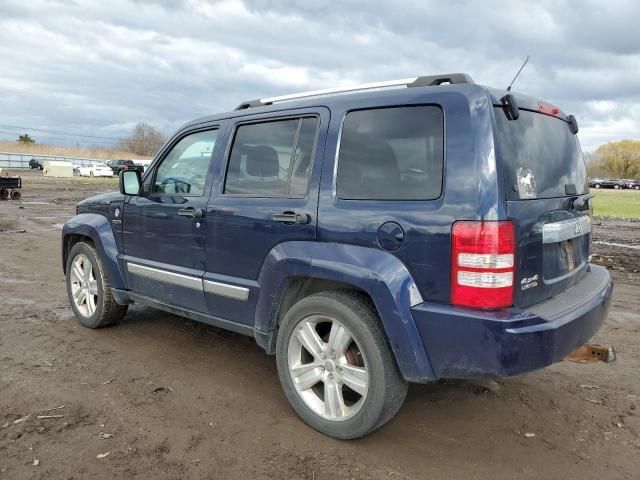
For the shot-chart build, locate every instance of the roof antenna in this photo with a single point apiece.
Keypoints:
(514, 78)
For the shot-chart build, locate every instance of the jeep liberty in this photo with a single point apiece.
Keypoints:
(397, 232)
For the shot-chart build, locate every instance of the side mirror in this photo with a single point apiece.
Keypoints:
(130, 182)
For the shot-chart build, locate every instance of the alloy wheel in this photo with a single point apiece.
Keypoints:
(328, 368)
(84, 286)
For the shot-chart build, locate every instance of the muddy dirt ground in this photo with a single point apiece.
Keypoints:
(178, 399)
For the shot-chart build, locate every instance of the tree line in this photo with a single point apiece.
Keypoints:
(619, 159)
(144, 140)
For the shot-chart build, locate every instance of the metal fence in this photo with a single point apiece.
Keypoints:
(21, 160)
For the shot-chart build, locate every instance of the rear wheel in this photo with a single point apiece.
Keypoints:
(89, 290)
(335, 365)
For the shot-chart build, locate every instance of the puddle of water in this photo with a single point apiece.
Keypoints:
(620, 316)
(621, 245)
(50, 217)
(14, 280)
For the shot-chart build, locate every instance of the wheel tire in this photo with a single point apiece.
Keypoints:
(15, 195)
(598, 185)
(4, 193)
(91, 174)
(385, 388)
(107, 311)
(637, 187)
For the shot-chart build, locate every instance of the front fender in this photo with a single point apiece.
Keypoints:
(98, 229)
(380, 274)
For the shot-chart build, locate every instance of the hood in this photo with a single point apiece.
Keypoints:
(103, 199)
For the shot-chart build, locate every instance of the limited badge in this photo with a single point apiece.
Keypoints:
(529, 282)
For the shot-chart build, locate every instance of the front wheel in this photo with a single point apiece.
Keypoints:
(89, 290)
(336, 367)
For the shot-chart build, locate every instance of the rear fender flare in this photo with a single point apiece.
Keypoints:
(380, 274)
(98, 229)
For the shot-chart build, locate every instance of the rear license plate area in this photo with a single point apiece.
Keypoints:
(564, 257)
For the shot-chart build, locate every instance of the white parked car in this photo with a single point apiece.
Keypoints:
(95, 170)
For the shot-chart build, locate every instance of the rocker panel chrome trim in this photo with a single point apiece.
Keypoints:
(226, 290)
(165, 276)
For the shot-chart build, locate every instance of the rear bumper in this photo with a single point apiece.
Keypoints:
(466, 343)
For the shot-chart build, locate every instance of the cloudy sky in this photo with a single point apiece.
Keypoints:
(98, 67)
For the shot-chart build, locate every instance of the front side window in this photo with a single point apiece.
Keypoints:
(391, 154)
(272, 159)
(184, 170)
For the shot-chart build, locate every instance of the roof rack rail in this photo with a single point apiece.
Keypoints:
(424, 81)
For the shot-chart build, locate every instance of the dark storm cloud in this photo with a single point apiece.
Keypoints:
(100, 67)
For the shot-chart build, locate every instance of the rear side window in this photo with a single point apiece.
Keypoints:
(272, 159)
(391, 154)
(541, 158)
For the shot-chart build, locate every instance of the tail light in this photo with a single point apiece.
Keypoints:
(482, 264)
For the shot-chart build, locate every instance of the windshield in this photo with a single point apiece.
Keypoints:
(541, 158)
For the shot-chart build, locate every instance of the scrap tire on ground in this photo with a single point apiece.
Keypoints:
(15, 195)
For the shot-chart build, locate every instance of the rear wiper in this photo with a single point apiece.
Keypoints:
(581, 204)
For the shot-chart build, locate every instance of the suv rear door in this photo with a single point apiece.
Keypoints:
(547, 199)
(267, 194)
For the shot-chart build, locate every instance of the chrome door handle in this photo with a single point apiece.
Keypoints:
(190, 212)
(291, 217)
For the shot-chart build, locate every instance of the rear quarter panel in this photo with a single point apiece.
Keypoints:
(470, 188)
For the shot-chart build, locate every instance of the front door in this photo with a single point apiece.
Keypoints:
(268, 195)
(164, 227)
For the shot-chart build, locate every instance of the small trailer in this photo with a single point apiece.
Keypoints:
(10, 187)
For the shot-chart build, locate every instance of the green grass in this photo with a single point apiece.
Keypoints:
(616, 203)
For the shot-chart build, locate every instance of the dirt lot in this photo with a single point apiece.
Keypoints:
(184, 400)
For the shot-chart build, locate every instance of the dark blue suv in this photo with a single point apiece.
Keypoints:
(398, 232)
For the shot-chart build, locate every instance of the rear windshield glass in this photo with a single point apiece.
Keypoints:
(541, 158)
